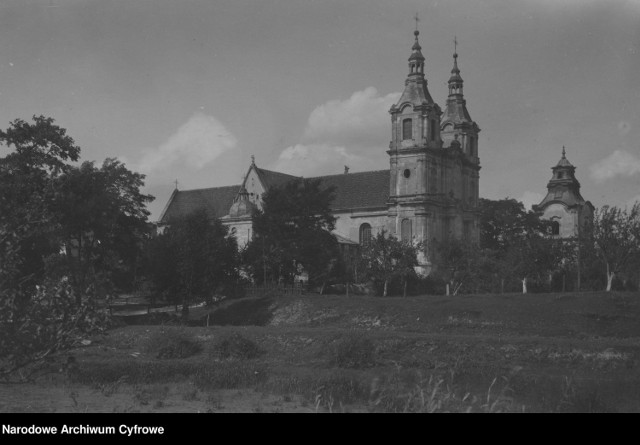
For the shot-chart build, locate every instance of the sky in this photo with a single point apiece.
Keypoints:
(189, 90)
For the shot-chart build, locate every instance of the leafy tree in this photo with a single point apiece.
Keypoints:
(40, 152)
(533, 256)
(386, 258)
(518, 241)
(505, 222)
(463, 265)
(616, 235)
(38, 315)
(103, 221)
(294, 227)
(192, 258)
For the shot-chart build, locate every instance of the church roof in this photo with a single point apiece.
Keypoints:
(416, 93)
(270, 178)
(358, 190)
(567, 196)
(353, 191)
(216, 201)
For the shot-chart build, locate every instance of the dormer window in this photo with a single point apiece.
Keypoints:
(407, 130)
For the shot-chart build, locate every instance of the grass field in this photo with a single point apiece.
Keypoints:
(568, 352)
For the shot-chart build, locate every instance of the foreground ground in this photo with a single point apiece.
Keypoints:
(488, 353)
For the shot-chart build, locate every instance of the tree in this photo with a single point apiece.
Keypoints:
(518, 241)
(616, 235)
(534, 255)
(38, 315)
(386, 257)
(103, 221)
(40, 154)
(192, 258)
(294, 227)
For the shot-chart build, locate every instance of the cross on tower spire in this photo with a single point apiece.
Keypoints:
(417, 19)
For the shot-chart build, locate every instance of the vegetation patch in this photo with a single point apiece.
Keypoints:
(244, 312)
(230, 375)
(353, 351)
(235, 346)
(173, 343)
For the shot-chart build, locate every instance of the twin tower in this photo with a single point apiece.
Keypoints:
(434, 164)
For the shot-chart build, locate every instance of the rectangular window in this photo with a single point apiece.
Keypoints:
(407, 129)
(406, 230)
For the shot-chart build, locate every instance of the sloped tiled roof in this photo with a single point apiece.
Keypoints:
(358, 190)
(216, 200)
(352, 191)
(274, 179)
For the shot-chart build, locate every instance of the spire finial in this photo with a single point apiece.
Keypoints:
(417, 19)
(455, 46)
(564, 153)
(176, 182)
(253, 160)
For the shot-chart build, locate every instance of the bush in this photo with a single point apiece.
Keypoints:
(173, 343)
(353, 351)
(236, 346)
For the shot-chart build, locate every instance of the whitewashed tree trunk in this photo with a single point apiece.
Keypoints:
(610, 276)
(524, 285)
(610, 280)
(384, 293)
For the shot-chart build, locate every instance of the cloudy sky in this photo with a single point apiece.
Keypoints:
(190, 89)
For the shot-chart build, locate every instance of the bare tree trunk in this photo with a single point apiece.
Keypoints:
(322, 288)
(404, 291)
(502, 285)
(524, 285)
(610, 276)
(347, 288)
(447, 290)
(384, 293)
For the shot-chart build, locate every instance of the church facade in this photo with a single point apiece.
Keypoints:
(429, 192)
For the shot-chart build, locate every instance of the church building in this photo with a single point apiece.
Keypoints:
(429, 192)
(564, 206)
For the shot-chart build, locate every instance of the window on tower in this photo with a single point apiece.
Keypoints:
(555, 228)
(406, 230)
(407, 129)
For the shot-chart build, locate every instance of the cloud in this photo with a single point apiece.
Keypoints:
(195, 144)
(363, 119)
(619, 163)
(530, 198)
(342, 132)
(314, 159)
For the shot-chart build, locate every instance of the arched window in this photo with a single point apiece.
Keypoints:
(555, 228)
(406, 129)
(405, 230)
(365, 234)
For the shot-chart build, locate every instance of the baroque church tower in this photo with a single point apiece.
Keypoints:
(434, 163)
(415, 133)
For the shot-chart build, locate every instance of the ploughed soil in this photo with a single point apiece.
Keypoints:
(562, 352)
